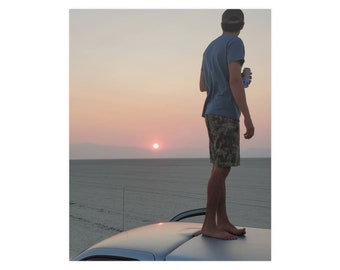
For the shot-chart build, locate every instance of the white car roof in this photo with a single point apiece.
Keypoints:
(254, 246)
(174, 241)
(151, 242)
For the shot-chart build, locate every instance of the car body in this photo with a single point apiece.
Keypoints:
(175, 241)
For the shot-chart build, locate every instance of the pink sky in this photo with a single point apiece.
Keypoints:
(134, 76)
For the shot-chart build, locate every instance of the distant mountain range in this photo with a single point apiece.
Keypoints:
(96, 151)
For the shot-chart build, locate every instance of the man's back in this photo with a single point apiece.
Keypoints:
(225, 49)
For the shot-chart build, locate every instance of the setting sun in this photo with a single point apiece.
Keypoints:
(155, 146)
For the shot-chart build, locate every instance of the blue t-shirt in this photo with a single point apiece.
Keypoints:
(221, 52)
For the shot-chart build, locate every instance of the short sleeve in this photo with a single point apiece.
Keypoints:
(235, 51)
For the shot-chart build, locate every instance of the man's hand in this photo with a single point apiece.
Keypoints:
(202, 82)
(250, 130)
(250, 78)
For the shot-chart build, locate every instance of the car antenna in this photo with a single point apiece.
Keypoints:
(123, 208)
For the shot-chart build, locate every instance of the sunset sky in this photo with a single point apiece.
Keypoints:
(118, 61)
(134, 78)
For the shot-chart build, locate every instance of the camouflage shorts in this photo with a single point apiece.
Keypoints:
(224, 140)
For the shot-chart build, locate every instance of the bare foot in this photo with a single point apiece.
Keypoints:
(219, 234)
(230, 228)
(197, 233)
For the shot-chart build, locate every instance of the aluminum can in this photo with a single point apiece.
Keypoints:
(246, 77)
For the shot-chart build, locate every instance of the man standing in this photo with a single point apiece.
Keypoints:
(221, 78)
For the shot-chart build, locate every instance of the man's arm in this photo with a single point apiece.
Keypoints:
(239, 94)
(202, 82)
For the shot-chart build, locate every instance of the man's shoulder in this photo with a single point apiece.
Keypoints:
(226, 39)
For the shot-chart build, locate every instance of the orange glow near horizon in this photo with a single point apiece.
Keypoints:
(139, 87)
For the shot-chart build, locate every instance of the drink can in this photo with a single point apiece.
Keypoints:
(246, 77)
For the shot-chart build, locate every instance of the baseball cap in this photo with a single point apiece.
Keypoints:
(233, 16)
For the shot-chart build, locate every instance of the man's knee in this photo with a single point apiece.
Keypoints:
(222, 172)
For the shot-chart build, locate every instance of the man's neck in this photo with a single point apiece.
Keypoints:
(232, 33)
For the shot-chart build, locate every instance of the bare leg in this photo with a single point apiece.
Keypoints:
(222, 217)
(216, 193)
